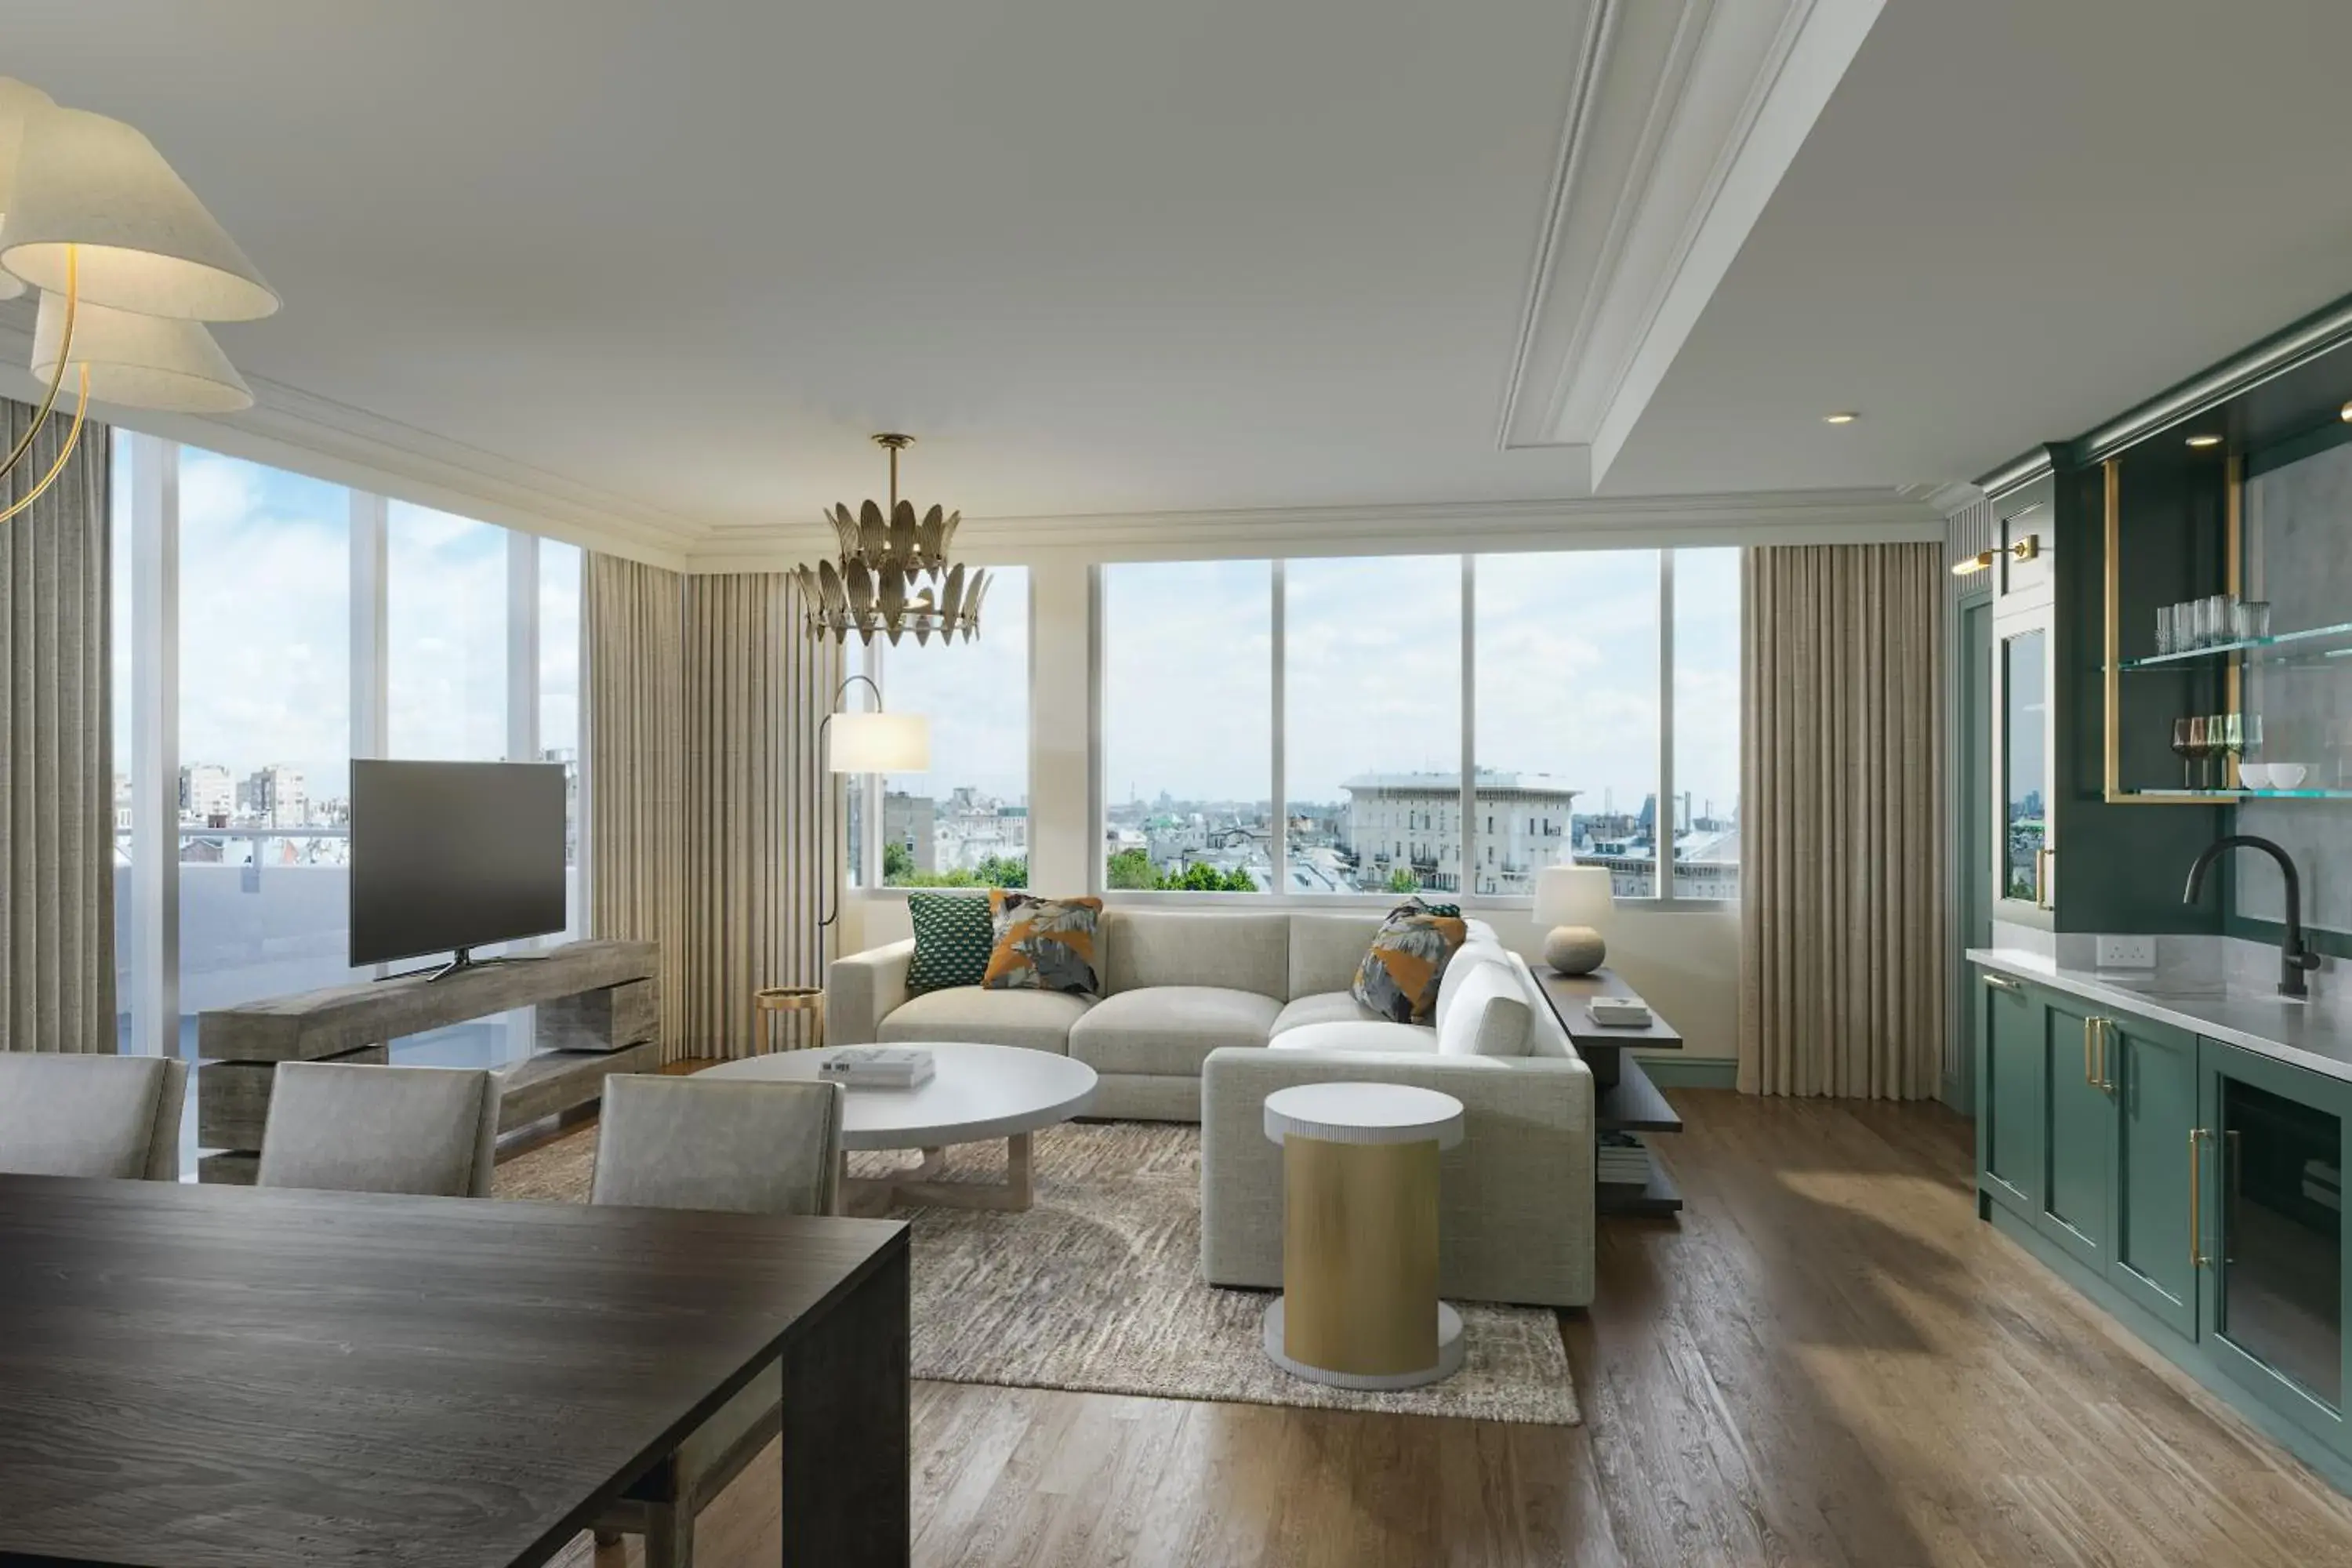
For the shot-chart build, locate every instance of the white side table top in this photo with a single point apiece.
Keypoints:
(1364, 1113)
(979, 1092)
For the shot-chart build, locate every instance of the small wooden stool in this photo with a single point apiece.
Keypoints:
(775, 999)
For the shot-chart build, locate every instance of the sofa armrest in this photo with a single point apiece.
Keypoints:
(861, 989)
(1515, 1217)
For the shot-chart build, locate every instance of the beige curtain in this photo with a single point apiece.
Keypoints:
(756, 686)
(703, 698)
(57, 766)
(633, 675)
(1842, 927)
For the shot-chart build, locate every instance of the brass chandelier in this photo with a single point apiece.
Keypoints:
(892, 575)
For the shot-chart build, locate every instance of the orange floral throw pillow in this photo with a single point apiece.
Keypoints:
(1399, 976)
(1043, 944)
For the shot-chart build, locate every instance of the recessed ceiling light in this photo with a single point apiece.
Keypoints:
(2345, 413)
(1848, 418)
(2206, 440)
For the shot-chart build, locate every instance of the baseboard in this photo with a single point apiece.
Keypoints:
(1672, 1069)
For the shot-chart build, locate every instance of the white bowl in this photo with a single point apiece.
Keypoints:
(2253, 776)
(2287, 775)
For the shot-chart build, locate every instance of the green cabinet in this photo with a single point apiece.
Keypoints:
(2270, 1153)
(2010, 1136)
(2079, 1157)
(2153, 1066)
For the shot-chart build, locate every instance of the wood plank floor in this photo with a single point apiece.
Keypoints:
(1829, 1359)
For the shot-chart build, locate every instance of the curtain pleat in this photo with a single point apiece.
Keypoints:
(1842, 927)
(703, 784)
(57, 764)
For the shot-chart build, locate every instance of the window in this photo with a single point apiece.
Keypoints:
(264, 769)
(1343, 679)
(253, 639)
(1706, 724)
(446, 636)
(1373, 722)
(964, 822)
(1568, 717)
(1187, 683)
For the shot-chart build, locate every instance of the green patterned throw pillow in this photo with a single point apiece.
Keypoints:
(953, 935)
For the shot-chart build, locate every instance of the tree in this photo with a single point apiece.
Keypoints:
(897, 864)
(1131, 869)
(1402, 880)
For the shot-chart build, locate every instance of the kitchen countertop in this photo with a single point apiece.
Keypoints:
(2238, 1013)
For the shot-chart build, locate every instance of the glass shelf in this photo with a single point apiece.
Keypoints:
(2242, 794)
(2283, 639)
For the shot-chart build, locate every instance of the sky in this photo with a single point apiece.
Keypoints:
(265, 629)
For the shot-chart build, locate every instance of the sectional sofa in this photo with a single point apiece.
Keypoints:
(1205, 1013)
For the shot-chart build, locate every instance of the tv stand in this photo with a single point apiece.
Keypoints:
(461, 961)
(597, 1006)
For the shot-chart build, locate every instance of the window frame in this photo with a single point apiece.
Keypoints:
(1474, 833)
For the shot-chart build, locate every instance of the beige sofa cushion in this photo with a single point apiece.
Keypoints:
(1169, 1028)
(1373, 1034)
(1240, 951)
(1040, 1020)
(1466, 960)
(1325, 950)
(1489, 1017)
(1323, 1008)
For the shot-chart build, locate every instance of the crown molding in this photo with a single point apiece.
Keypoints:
(1683, 118)
(304, 433)
(1948, 500)
(1785, 516)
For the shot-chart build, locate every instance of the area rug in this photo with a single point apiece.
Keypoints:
(1097, 1287)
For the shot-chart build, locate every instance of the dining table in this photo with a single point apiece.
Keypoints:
(212, 1376)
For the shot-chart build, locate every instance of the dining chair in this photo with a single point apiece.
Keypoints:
(340, 1127)
(87, 1115)
(755, 1148)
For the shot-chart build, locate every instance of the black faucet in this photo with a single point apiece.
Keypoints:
(2294, 957)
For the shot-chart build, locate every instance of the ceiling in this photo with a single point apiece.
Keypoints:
(653, 274)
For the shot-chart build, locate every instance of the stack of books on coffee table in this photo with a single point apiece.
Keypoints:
(879, 1067)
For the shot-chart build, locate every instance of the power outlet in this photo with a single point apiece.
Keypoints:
(2126, 953)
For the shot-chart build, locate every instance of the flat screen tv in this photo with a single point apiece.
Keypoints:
(448, 856)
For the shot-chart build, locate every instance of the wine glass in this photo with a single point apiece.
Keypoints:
(2217, 741)
(2233, 741)
(2188, 745)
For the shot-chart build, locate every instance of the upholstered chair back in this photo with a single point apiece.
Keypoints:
(91, 1115)
(755, 1148)
(342, 1128)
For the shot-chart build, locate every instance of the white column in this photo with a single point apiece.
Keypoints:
(522, 646)
(371, 577)
(1064, 831)
(154, 745)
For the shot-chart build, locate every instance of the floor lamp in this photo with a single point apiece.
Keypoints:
(863, 742)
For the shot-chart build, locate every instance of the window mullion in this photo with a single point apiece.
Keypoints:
(1278, 586)
(155, 744)
(1465, 880)
(1665, 814)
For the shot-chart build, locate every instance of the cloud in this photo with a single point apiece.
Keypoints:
(976, 695)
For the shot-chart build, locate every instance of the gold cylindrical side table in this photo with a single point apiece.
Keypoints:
(775, 999)
(1359, 1307)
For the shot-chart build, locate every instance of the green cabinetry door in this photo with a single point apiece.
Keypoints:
(2154, 1069)
(2276, 1270)
(2080, 1116)
(2010, 1066)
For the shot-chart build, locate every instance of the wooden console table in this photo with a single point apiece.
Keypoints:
(1624, 1097)
(598, 1014)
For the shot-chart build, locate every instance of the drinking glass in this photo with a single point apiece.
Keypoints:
(2221, 611)
(2164, 633)
(2201, 625)
(2251, 620)
(2188, 745)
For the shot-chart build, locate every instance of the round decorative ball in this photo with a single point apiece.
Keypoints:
(1574, 950)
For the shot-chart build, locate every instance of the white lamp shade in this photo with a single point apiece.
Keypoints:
(139, 362)
(95, 186)
(16, 101)
(880, 743)
(1573, 896)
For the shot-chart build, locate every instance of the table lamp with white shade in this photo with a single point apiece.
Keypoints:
(1573, 902)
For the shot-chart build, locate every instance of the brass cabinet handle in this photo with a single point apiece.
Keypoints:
(2196, 1201)
(2000, 982)
(2106, 1054)
(2090, 1073)
(2041, 858)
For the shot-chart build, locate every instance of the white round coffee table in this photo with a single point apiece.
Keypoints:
(1359, 1306)
(979, 1092)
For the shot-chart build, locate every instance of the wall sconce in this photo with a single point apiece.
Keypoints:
(2026, 549)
